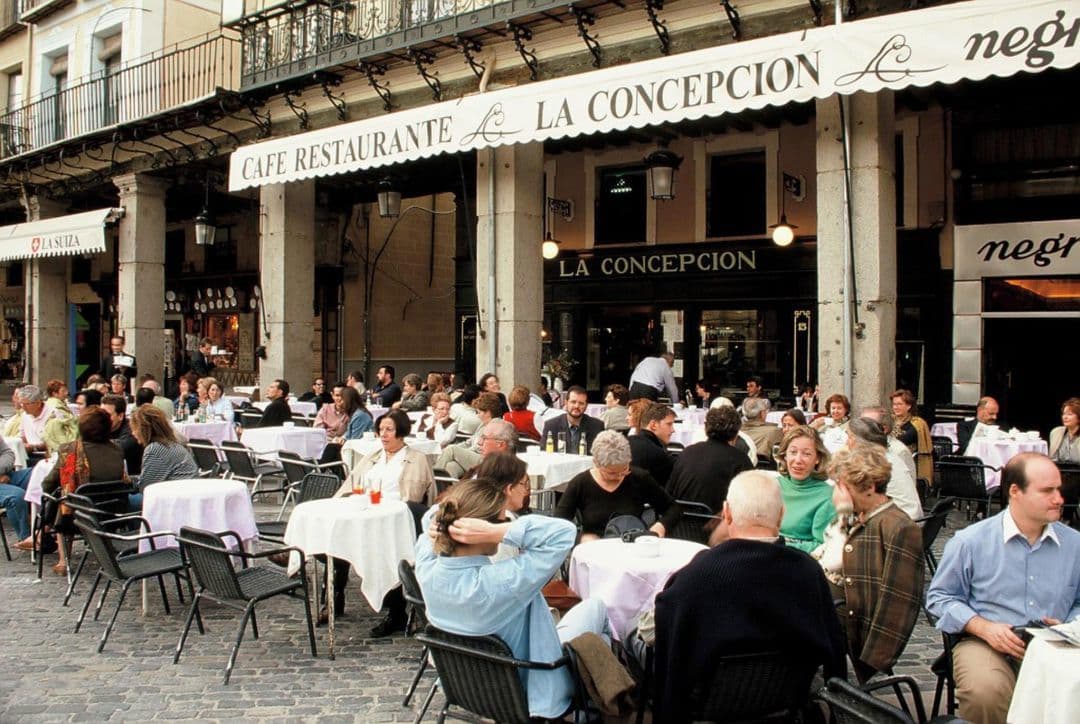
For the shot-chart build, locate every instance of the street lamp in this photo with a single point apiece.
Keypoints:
(550, 248)
(661, 165)
(205, 228)
(389, 200)
(783, 233)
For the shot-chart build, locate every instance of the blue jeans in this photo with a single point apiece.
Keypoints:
(589, 616)
(11, 500)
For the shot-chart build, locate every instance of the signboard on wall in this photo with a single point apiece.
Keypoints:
(1035, 248)
(245, 342)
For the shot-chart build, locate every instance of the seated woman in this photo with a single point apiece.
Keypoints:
(808, 506)
(438, 425)
(401, 473)
(57, 394)
(216, 404)
(490, 383)
(467, 593)
(520, 416)
(913, 431)
(91, 459)
(165, 457)
(615, 416)
(413, 399)
(611, 487)
(792, 418)
(1065, 439)
(838, 412)
(633, 413)
(882, 563)
(332, 417)
(352, 404)
(188, 399)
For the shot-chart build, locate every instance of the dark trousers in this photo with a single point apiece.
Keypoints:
(638, 391)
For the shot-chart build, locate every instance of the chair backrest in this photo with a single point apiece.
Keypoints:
(942, 446)
(101, 546)
(525, 444)
(1070, 482)
(251, 417)
(765, 463)
(302, 420)
(410, 588)
(675, 448)
(935, 521)
(293, 465)
(960, 476)
(850, 705)
(205, 454)
(749, 686)
(691, 524)
(211, 562)
(443, 480)
(239, 458)
(478, 673)
(619, 524)
(318, 486)
(110, 496)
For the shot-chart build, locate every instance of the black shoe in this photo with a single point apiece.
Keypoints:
(388, 627)
(324, 615)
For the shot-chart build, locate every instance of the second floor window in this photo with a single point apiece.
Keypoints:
(621, 205)
(737, 195)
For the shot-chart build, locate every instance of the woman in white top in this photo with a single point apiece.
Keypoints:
(437, 425)
(216, 404)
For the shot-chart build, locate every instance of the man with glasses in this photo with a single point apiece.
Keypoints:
(318, 394)
(496, 437)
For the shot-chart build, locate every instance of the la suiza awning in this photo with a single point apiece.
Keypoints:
(970, 40)
(82, 233)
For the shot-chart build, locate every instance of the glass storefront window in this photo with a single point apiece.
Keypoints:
(618, 338)
(1039, 294)
(737, 343)
(223, 331)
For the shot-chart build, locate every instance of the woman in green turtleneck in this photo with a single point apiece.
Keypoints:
(808, 506)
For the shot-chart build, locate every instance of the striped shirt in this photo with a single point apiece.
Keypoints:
(166, 462)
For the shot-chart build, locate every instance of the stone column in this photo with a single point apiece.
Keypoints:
(516, 220)
(141, 252)
(287, 278)
(46, 305)
(873, 212)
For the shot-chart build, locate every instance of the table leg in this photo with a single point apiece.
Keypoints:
(330, 601)
(145, 597)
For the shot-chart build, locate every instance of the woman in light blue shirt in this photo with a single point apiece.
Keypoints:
(466, 593)
(216, 404)
(359, 418)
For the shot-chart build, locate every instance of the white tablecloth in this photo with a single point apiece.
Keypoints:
(308, 442)
(248, 390)
(238, 400)
(625, 576)
(373, 538)
(353, 450)
(1048, 687)
(999, 452)
(945, 429)
(834, 438)
(17, 447)
(307, 409)
(687, 434)
(595, 409)
(33, 486)
(690, 416)
(208, 503)
(216, 431)
(555, 468)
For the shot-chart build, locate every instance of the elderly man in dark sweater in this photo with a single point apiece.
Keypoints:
(749, 594)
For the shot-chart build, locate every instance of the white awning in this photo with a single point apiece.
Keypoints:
(60, 236)
(970, 40)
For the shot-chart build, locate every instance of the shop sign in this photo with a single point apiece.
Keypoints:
(945, 44)
(658, 264)
(82, 233)
(1038, 248)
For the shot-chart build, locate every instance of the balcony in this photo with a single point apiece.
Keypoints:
(30, 11)
(9, 18)
(169, 79)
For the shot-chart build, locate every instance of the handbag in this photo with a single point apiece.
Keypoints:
(560, 596)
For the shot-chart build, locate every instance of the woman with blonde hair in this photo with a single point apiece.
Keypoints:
(808, 507)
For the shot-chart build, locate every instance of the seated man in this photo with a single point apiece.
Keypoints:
(467, 593)
(1018, 566)
(649, 446)
(277, 413)
(748, 594)
(705, 469)
(986, 413)
(575, 426)
(496, 436)
(764, 434)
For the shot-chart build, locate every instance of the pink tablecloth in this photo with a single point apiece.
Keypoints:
(215, 432)
(625, 576)
(207, 503)
(997, 453)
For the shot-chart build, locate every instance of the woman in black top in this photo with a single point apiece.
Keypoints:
(611, 487)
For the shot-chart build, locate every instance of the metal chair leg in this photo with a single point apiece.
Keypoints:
(236, 646)
(3, 536)
(164, 597)
(192, 612)
(75, 578)
(179, 590)
(307, 615)
(89, 598)
(101, 601)
(427, 701)
(416, 678)
(254, 625)
(116, 612)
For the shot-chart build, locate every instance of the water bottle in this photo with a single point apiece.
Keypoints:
(549, 444)
(581, 446)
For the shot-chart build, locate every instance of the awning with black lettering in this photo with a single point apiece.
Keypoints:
(969, 40)
(82, 233)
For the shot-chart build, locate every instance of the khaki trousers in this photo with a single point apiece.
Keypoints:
(985, 681)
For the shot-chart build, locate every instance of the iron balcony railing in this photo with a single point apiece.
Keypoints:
(9, 17)
(34, 10)
(168, 79)
(280, 37)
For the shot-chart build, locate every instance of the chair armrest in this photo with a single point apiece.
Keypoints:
(895, 683)
(143, 522)
(138, 536)
(563, 660)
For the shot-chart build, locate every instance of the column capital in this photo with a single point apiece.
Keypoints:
(131, 184)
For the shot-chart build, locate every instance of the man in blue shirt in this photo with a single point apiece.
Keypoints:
(1019, 566)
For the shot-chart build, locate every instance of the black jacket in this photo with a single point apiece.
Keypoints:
(131, 448)
(276, 414)
(200, 365)
(108, 369)
(323, 398)
(646, 451)
(703, 471)
(589, 425)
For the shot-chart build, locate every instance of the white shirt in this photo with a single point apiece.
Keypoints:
(901, 486)
(33, 428)
(900, 450)
(385, 474)
(655, 372)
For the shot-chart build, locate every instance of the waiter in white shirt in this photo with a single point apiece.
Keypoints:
(652, 376)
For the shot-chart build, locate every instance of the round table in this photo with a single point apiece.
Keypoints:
(216, 431)
(555, 468)
(307, 409)
(691, 416)
(353, 450)
(1048, 687)
(627, 576)
(687, 434)
(208, 503)
(372, 538)
(307, 442)
(997, 453)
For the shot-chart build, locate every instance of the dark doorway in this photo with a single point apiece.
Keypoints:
(619, 338)
(1024, 369)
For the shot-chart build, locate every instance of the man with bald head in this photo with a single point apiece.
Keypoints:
(986, 413)
(1001, 573)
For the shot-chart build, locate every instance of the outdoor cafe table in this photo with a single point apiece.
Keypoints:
(372, 538)
(946, 429)
(686, 435)
(556, 469)
(216, 431)
(209, 503)
(17, 447)
(307, 409)
(1048, 686)
(997, 453)
(627, 576)
(353, 450)
(307, 442)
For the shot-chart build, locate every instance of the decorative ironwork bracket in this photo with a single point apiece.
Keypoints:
(423, 59)
(337, 101)
(299, 109)
(95, 176)
(652, 7)
(164, 133)
(376, 69)
(815, 7)
(521, 36)
(87, 147)
(209, 124)
(211, 147)
(733, 19)
(585, 20)
(259, 120)
(172, 159)
(470, 47)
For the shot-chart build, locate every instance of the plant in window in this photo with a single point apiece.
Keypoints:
(559, 366)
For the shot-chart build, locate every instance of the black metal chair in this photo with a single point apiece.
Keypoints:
(250, 417)
(946, 685)
(414, 597)
(127, 569)
(1070, 491)
(242, 466)
(675, 448)
(314, 486)
(943, 446)
(850, 705)
(207, 456)
(964, 478)
(211, 565)
(107, 519)
(932, 523)
(296, 468)
(443, 480)
(302, 420)
(481, 675)
(765, 463)
(691, 524)
(3, 533)
(752, 686)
